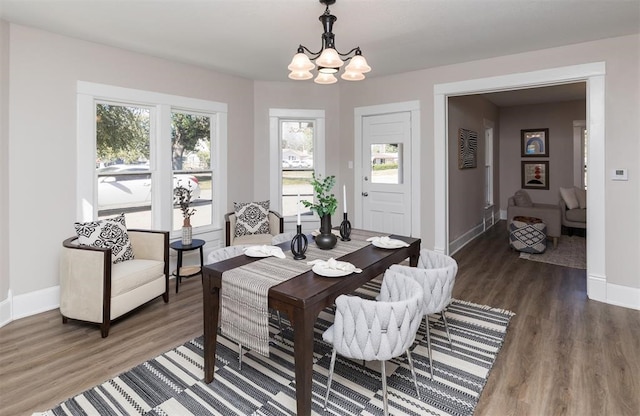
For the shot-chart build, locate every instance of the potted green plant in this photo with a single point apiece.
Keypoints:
(325, 204)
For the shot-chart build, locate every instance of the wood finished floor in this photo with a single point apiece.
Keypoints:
(563, 354)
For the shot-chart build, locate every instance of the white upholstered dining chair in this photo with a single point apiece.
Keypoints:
(377, 329)
(436, 274)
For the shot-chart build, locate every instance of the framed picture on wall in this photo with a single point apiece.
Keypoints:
(467, 149)
(535, 175)
(534, 142)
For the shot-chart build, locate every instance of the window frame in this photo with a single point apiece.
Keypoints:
(161, 106)
(276, 115)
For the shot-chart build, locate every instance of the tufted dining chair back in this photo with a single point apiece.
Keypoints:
(377, 329)
(224, 253)
(436, 274)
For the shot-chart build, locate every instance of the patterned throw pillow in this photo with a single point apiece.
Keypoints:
(251, 218)
(108, 233)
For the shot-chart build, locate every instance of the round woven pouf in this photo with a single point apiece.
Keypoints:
(528, 234)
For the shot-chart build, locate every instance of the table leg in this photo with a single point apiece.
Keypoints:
(303, 322)
(211, 302)
(201, 264)
(179, 264)
(413, 259)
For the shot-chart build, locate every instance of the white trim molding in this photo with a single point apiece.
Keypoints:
(591, 73)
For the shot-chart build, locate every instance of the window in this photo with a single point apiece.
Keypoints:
(124, 181)
(191, 162)
(386, 163)
(488, 164)
(135, 147)
(297, 143)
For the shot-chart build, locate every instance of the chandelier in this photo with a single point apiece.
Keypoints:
(328, 59)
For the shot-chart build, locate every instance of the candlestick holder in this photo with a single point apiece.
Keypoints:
(299, 244)
(345, 229)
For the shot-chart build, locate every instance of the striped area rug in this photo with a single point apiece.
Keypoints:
(172, 384)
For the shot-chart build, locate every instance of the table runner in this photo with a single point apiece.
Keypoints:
(244, 293)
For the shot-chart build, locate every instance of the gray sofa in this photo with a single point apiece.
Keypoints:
(520, 204)
(573, 218)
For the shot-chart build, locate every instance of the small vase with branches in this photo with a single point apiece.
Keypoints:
(182, 197)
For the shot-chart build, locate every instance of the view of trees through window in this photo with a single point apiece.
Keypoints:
(191, 163)
(296, 140)
(125, 179)
(125, 182)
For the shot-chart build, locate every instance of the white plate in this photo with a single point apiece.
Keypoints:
(323, 271)
(391, 244)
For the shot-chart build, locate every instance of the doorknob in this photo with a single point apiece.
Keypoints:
(365, 194)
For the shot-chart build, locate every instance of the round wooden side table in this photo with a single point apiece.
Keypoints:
(188, 271)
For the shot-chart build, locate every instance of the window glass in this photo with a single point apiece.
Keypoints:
(296, 144)
(122, 166)
(386, 163)
(191, 162)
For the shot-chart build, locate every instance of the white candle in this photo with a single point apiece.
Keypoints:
(344, 197)
(298, 206)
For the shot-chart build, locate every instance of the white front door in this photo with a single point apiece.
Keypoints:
(386, 173)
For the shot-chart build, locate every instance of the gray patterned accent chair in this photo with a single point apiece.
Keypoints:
(276, 226)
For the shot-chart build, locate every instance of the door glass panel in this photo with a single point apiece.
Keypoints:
(191, 161)
(386, 163)
(296, 141)
(122, 166)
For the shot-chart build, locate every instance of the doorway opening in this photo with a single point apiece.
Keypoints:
(593, 75)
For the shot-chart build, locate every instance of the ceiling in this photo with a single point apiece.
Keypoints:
(256, 39)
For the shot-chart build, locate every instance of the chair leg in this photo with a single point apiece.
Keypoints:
(239, 356)
(385, 399)
(426, 321)
(446, 327)
(333, 361)
(413, 372)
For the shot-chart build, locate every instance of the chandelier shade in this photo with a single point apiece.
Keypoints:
(328, 59)
(325, 79)
(301, 62)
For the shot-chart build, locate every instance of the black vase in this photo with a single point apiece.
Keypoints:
(326, 240)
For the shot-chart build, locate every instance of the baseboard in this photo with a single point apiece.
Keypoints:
(5, 310)
(35, 302)
(465, 238)
(599, 290)
(625, 296)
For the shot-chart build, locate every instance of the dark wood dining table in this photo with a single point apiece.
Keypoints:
(301, 298)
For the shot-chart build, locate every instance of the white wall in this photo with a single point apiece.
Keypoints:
(44, 69)
(39, 197)
(5, 283)
(622, 149)
(558, 118)
(466, 186)
(300, 96)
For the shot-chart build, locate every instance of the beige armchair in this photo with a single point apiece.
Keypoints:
(276, 226)
(93, 289)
